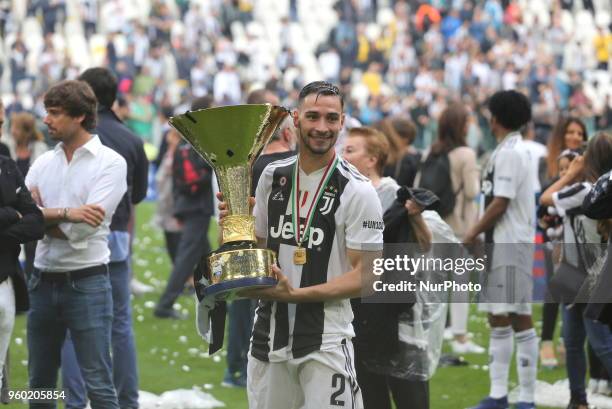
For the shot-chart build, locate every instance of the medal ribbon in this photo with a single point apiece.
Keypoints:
(295, 198)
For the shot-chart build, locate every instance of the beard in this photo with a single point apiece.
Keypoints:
(318, 143)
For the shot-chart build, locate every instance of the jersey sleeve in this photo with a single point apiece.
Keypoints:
(364, 221)
(261, 203)
(596, 204)
(570, 198)
(506, 177)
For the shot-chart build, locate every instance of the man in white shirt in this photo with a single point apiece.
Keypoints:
(509, 227)
(78, 185)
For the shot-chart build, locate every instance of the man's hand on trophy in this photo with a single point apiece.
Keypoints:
(223, 206)
(282, 291)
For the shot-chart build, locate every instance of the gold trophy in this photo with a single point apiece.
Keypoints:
(230, 138)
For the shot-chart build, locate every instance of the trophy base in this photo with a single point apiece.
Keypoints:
(228, 290)
(237, 267)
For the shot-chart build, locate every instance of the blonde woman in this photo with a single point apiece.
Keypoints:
(367, 150)
(26, 145)
(26, 142)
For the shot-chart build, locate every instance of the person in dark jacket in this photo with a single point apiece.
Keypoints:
(114, 134)
(193, 206)
(4, 150)
(20, 222)
(597, 206)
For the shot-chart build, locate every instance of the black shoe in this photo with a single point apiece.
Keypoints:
(172, 314)
(574, 405)
(452, 360)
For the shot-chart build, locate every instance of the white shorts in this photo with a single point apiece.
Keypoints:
(320, 380)
(507, 290)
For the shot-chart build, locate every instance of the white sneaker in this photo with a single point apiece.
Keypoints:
(593, 386)
(603, 387)
(448, 334)
(139, 288)
(467, 347)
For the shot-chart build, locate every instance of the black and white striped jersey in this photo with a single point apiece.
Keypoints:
(581, 235)
(508, 175)
(349, 216)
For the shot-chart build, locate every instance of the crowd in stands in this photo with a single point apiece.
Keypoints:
(390, 57)
(421, 72)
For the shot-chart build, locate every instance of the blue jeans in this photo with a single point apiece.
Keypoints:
(576, 329)
(125, 369)
(240, 325)
(85, 307)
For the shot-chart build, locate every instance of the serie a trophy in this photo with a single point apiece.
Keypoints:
(230, 138)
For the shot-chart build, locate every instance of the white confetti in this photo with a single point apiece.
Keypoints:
(216, 358)
(19, 341)
(140, 262)
(185, 368)
(183, 339)
(149, 304)
(140, 318)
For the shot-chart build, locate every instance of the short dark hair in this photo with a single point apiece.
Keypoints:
(259, 96)
(201, 103)
(103, 83)
(321, 88)
(76, 98)
(510, 108)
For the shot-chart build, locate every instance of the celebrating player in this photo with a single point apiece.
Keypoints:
(301, 352)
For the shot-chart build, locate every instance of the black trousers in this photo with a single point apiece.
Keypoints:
(191, 247)
(375, 390)
(173, 239)
(550, 310)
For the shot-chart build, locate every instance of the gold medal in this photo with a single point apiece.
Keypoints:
(301, 235)
(299, 256)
